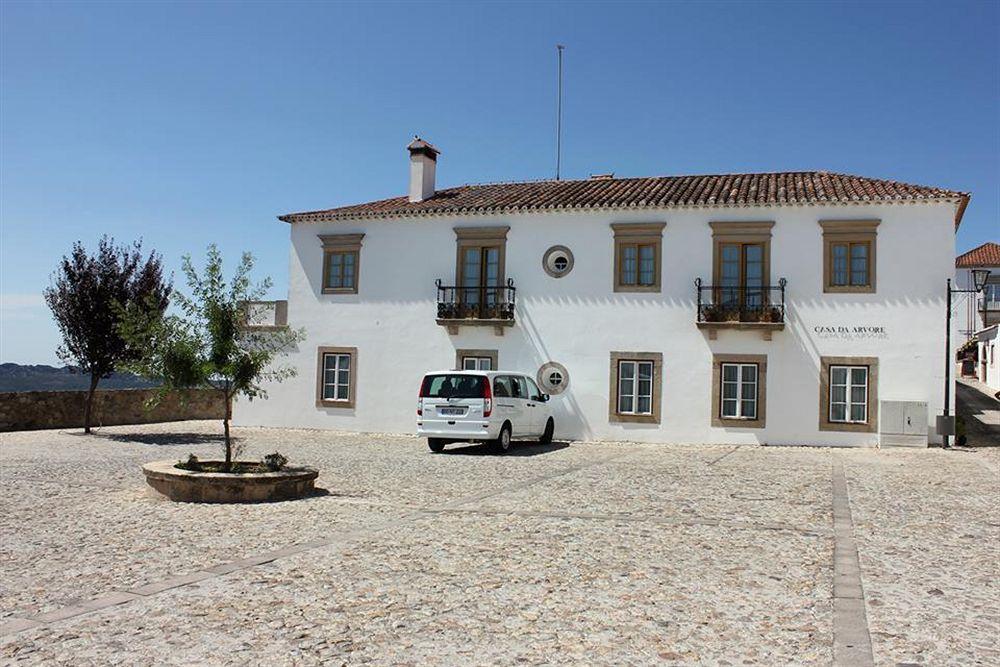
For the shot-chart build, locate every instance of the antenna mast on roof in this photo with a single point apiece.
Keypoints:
(559, 49)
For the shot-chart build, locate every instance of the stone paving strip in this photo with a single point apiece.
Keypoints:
(852, 644)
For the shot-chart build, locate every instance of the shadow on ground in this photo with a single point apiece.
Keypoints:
(168, 439)
(978, 410)
(519, 449)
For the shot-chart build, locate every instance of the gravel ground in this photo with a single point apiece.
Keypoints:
(581, 553)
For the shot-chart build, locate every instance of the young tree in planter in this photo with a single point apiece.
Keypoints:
(87, 296)
(208, 344)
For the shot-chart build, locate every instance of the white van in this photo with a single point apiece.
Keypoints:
(482, 406)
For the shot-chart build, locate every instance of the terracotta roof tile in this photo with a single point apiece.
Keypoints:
(808, 187)
(987, 254)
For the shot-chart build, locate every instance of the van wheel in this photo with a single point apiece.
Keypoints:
(503, 443)
(550, 428)
(436, 444)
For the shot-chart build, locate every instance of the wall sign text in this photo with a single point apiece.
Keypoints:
(850, 332)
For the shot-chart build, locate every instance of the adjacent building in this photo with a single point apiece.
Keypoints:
(982, 310)
(780, 308)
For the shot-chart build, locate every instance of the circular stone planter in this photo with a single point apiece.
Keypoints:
(223, 487)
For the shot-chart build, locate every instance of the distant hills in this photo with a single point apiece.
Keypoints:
(16, 377)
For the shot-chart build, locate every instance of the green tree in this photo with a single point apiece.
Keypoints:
(87, 296)
(207, 344)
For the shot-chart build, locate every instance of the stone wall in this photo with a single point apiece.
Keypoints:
(30, 410)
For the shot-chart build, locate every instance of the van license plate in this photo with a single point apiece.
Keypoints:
(452, 411)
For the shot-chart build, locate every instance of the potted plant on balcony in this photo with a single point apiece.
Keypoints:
(771, 314)
(713, 312)
(208, 347)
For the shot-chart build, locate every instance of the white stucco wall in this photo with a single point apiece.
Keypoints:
(578, 319)
(988, 365)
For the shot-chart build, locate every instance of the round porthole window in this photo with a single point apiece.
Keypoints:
(553, 378)
(557, 261)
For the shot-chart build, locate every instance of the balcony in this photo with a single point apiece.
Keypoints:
(265, 315)
(988, 307)
(755, 308)
(476, 305)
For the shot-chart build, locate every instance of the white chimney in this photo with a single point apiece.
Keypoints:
(423, 161)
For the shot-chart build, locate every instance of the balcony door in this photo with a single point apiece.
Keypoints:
(479, 291)
(479, 279)
(741, 275)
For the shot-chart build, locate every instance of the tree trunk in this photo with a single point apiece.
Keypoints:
(225, 426)
(89, 409)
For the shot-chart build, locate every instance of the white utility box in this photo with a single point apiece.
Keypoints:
(902, 424)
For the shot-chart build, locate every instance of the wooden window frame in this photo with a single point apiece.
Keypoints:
(741, 233)
(657, 398)
(637, 234)
(481, 237)
(346, 244)
(871, 426)
(849, 386)
(351, 401)
(837, 232)
(461, 354)
(760, 360)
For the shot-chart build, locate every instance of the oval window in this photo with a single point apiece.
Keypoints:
(557, 261)
(553, 378)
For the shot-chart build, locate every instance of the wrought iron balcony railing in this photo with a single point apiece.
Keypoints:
(741, 303)
(989, 303)
(476, 302)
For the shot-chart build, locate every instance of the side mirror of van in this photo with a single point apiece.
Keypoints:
(545, 398)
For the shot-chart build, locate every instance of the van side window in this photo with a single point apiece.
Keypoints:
(501, 386)
(520, 387)
(533, 390)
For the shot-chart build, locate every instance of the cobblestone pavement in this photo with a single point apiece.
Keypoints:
(579, 553)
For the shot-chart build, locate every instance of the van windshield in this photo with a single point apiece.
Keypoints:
(452, 386)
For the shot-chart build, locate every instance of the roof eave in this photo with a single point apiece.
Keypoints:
(320, 216)
(963, 202)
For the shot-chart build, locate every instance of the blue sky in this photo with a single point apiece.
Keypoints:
(191, 123)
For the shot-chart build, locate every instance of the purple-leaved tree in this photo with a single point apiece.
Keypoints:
(88, 297)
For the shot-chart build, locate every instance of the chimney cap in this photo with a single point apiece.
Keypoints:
(603, 177)
(420, 147)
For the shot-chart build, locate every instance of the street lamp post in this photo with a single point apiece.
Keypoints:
(979, 277)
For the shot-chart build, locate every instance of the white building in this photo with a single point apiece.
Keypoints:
(778, 308)
(982, 310)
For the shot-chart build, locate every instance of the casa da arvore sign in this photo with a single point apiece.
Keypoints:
(852, 332)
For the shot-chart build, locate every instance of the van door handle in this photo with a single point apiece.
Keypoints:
(531, 405)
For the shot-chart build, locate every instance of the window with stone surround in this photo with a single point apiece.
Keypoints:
(636, 387)
(341, 263)
(336, 377)
(638, 262)
(849, 255)
(848, 394)
(739, 390)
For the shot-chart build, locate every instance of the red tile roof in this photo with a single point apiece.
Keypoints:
(797, 187)
(987, 254)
